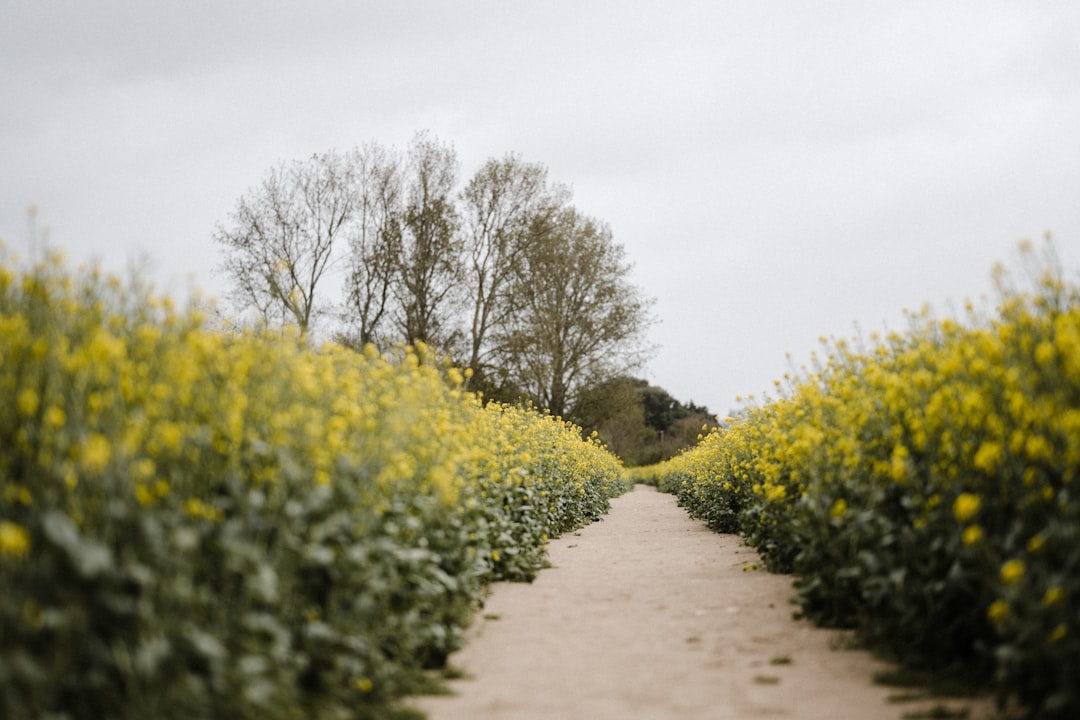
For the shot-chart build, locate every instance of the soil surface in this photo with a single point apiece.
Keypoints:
(649, 614)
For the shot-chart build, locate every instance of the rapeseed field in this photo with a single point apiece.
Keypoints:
(923, 489)
(197, 522)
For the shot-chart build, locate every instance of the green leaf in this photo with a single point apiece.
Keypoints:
(90, 558)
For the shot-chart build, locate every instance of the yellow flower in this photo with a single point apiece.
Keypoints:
(14, 540)
(966, 506)
(997, 612)
(1057, 634)
(1012, 571)
(1053, 596)
(19, 494)
(198, 509)
(838, 508)
(988, 457)
(55, 417)
(775, 493)
(898, 465)
(143, 495)
(495, 555)
(27, 402)
(96, 453)
(972, 535)
(1045, 353)
(364, 684)
(1035, 544)
(1038, 448)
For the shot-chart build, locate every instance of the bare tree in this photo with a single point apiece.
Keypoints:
(375, 244)
(506, 276)
(281, 238)
(576, 319)
(499, 204)
(430, 265)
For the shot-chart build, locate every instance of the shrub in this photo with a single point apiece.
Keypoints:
(198, 524)
(923, 492)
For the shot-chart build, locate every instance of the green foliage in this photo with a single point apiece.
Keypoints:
(201, 525)
(924, 493)
(641, 423)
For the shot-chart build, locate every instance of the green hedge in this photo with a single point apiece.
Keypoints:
(924, 492)
(196, 523)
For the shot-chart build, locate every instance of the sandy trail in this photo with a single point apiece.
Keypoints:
(651, 615)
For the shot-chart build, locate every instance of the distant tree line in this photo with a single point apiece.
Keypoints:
(503, 274)
(641, 423)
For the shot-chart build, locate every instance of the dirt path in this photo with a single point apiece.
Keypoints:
(649, 614)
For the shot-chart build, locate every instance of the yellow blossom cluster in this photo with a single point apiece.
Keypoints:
(14, 540)
(535, 478)
(923, 487)
(236, 519)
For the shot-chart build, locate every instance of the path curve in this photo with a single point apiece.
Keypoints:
(649, 614)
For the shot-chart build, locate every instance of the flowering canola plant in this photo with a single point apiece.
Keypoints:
(924, 491)
(201, 523)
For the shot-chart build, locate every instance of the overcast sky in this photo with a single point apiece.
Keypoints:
(776, 170)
